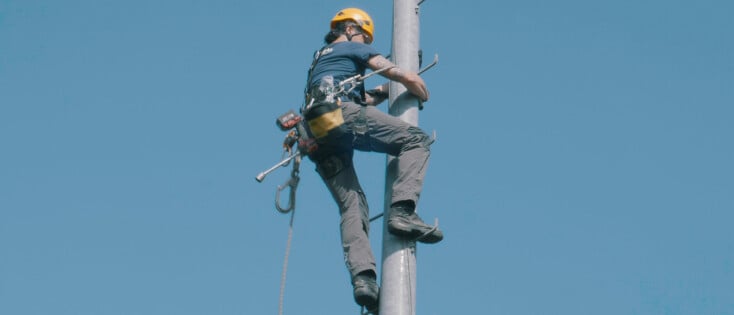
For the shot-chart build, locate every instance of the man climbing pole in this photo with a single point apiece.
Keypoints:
(343, 122)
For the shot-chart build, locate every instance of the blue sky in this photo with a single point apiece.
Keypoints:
(583, 162)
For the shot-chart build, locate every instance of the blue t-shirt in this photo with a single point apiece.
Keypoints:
(342, 60)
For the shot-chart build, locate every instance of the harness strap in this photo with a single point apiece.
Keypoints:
(316, 57)
(360, 127)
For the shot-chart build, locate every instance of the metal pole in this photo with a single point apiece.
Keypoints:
(398, 282)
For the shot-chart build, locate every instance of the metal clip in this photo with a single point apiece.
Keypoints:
(291, 183)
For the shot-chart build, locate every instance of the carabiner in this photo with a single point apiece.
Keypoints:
(291, 183)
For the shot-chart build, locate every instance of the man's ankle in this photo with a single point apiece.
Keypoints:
(367, 273)
(405, 205)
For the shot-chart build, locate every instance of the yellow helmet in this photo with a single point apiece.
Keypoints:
(358, 16)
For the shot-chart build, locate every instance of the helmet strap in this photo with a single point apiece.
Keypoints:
(349, 36)
(354, 26)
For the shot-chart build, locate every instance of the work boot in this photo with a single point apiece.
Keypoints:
(404, 222)
(366, 291)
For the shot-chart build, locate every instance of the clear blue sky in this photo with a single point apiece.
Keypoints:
(583, 162)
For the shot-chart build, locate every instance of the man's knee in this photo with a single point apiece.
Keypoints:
(418, 139)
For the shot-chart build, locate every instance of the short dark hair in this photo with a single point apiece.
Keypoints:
(339, 29)
(331, 36)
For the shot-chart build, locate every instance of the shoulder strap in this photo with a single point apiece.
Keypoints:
(316, 57)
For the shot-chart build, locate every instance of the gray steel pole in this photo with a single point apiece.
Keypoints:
(398, 282)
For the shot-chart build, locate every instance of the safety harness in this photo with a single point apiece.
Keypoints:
(322, 103)
(321, 108)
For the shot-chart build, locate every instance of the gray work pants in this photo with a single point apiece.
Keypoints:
(384, 134)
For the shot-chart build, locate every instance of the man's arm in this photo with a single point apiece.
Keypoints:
(411, 80)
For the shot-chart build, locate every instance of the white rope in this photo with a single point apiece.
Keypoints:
(285, 264)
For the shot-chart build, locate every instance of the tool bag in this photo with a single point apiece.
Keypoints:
(325, 120)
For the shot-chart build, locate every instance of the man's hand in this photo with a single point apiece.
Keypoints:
(377, 95)
(411, 80)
